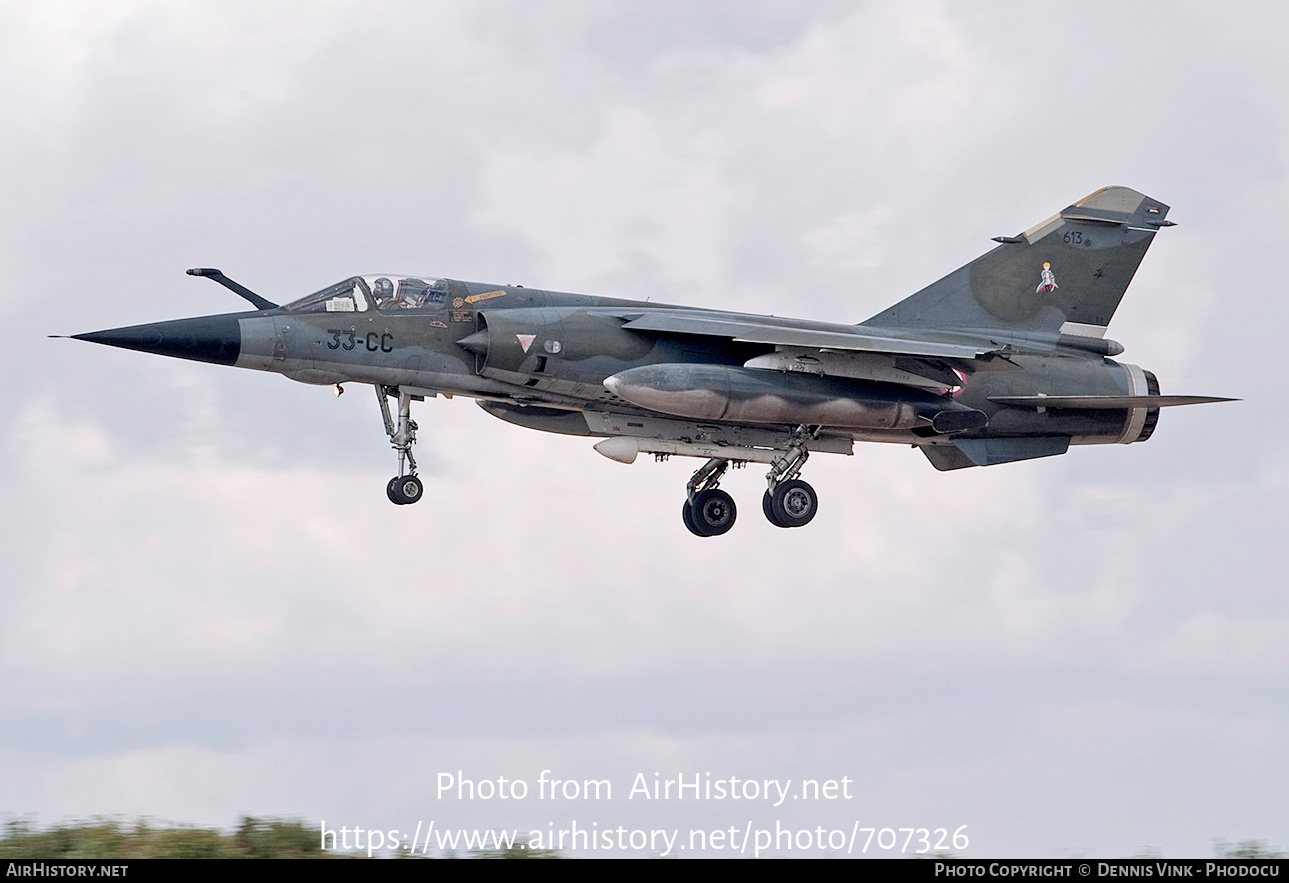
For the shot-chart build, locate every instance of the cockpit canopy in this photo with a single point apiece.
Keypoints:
(389, 293)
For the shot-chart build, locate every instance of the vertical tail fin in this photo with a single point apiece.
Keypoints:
(1066, 273)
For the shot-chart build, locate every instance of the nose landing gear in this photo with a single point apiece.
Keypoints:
(405, 487)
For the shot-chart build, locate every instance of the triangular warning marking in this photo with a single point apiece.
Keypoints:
(526, 340)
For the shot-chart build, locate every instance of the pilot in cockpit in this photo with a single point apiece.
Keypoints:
(383, 293)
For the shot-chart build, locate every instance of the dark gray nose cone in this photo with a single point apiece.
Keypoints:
(216, 339)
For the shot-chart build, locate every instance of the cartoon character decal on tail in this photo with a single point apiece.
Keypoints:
(1047, 282)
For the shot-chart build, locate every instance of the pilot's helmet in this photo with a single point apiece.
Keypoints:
(383, 289)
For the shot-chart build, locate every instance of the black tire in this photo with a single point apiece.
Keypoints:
(687, 514)
(408, 489)
(714, 512)
(767, 506)
(391, 491)
(795, 503)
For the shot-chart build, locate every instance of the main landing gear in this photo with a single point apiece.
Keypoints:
(708, 511)
(405, 487)
(788, 502)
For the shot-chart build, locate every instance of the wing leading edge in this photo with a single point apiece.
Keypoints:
(854, 339)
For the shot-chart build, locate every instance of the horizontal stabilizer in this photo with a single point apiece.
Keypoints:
(1095, 403)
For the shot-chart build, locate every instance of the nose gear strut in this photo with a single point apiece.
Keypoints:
(405, 487)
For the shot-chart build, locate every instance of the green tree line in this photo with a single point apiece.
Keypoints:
(253, 838)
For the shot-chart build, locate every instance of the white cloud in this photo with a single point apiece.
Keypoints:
(1212, 642)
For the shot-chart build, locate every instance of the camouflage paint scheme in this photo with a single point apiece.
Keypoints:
(1004, 359)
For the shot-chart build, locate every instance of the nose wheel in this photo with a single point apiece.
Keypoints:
(404, 488)
(402, 491)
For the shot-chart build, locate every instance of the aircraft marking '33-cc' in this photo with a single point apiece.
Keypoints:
(1002, 360)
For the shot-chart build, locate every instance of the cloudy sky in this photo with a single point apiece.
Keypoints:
(211, 609)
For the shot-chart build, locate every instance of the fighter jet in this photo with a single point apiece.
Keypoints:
(1002, 360)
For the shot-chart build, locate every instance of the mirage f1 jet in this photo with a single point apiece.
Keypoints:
(1002, 360)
